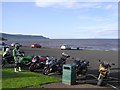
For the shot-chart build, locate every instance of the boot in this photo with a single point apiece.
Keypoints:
(99, 77)
(15, 70)
(19, 68)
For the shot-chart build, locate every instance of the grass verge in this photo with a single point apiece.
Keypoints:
(1, 52)
(24, 79)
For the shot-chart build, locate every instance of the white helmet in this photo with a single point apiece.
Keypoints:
(7, 49)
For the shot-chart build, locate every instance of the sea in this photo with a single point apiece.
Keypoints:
(88, 44)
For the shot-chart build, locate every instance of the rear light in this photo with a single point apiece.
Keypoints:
(42, 59)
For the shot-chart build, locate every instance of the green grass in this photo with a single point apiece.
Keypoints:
(1, 52)
(0, 78)
(10, 79)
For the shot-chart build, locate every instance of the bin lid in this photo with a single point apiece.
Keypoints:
(68, 65)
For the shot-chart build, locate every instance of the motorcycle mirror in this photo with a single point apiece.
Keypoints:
(73, 58)
(32, 56)
(113, 64)
(84, 60)
(68, 56)
(99, 60)
(88, 62)
(47, 56)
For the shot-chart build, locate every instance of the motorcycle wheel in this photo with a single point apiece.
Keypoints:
(60, 72)
(46, 71)
(11, 60)
(26, 62)
(84, 71)
(99, 83)
(32, 68)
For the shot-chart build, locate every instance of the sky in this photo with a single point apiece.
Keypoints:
(65, 19)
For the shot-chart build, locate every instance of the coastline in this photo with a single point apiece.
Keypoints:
(87, 44)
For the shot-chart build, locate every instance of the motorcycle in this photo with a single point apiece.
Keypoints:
(104, 71)
(26, 61)
(55, 65)
(38, 62)
(81, 66)
(9, 59)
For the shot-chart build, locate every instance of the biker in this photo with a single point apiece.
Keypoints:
(104, 66)
(16, 54)
(7, 54)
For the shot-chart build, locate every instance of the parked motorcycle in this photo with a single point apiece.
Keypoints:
(81, 66)
(9, 59)
(26, 61)
(104, 70)
(38, 62)
(55, 65)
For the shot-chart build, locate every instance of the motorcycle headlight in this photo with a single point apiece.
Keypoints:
(46, 63)
(33, 60)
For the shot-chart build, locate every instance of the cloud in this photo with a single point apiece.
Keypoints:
(106, 30)
(17, 0)
(95, 18)
(74, 4)
(54, 3)
(99, 28)
(98, 33)
(59, 0)
(108, 33)
(109, 6)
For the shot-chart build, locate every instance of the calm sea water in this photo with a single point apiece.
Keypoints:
(89, 44)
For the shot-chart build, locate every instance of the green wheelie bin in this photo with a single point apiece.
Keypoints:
(69, 74)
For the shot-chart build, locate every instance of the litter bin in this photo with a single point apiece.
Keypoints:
(69, 74)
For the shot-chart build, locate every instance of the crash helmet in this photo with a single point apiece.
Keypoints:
(17, 46)
(106, 64)
(102, 63)
(36, 57)
(7, 49)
